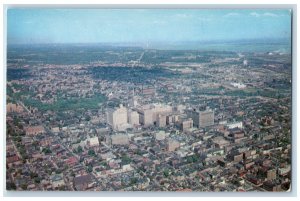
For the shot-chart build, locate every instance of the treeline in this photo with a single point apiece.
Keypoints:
(127, 74)
(17, 74)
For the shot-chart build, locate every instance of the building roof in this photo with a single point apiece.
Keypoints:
(94, 141)
(56, 177)
(84, 179)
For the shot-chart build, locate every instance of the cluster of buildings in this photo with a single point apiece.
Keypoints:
(192, 132)
(158, 115)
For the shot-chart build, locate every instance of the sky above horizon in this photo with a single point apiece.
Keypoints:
(36, 25)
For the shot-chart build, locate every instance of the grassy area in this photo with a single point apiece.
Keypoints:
(67, 104)
(264, 93)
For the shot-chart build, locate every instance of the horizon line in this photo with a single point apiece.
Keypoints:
(157, 41)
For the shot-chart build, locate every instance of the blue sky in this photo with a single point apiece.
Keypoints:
(144, 25)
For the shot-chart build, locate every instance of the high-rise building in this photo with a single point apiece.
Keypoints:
(161, 120)
(146, 117)
(133, 118)
(202, 118)
(117, 117)
(161, 109)
(154, 113)
(172, 119)
(186, 124)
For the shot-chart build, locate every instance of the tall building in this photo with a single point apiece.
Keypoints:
(172, 119)
(133, 118)
(202, 118)
(146, 117)
(161, 120)
(117, 117)
(154, 113)
(186, 124)
(162, 109)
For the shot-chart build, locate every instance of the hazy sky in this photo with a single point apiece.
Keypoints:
(143, 25)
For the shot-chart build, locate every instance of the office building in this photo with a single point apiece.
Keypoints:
(117, 117)
(186, 124)
(161, 120)
(202, 119)
(172, 119)
(133, 118)
(146, 117)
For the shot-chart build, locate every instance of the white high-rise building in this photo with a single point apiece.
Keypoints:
(133, 118)
(117, 118)
(146, 117)
(151, 113)
(161, 120)
(186, 124)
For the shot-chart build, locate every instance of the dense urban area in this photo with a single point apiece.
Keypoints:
(108, 118)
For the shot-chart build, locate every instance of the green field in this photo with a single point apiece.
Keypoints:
(67, 104)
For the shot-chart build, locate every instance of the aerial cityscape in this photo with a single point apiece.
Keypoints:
(114, 109)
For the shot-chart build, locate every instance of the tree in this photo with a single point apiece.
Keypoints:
(11, 186)
(37, 180)
(87, 118)
(33, 175)
(47, 150)
(195, 158)
(189, 159)
(24, 186)
(91, 153)
(90, 168)
(125, 159)
(133, 180)
(166, 173)
(79, 149)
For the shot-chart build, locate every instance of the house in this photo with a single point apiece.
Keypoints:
(92, 142)
(12, 157)
(57, 181)
(34, 130)
(71, 161)
(81, 182)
